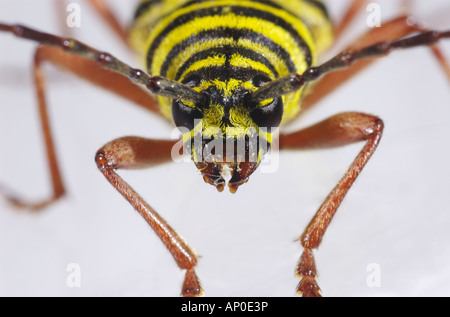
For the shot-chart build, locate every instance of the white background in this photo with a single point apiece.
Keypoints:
(396, 215)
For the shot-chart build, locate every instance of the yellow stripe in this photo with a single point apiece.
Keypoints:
(193, 49)
(315, 19)
(313, 27)
(279, 64)
(217, 60)
(142, 27)
(228, 87)
(238, 60)
(276, 33)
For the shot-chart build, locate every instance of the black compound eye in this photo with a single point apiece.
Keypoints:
(265, 115)
(184, 115)
(268, 116)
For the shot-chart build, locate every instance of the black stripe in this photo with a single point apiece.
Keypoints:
(279, 22)
(224, 73)
(240, 11)
(227, 51)
(270, 3)
(144, 7)
(266, 2)
(227, 33)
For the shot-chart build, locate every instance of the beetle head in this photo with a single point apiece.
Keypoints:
(226, 133)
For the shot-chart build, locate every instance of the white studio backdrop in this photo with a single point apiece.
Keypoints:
(394, 221)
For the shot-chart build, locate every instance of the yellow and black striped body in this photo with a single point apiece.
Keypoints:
(230, 41)
(226, 49)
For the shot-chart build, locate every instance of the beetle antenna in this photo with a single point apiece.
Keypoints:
(156, 84)
(169, 88)
(293, 82)
(278, 87)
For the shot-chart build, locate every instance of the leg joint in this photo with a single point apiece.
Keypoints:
(102, 161)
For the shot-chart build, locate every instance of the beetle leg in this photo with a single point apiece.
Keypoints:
(110, 18)
(98, 67)
(93, 72)
(339, 130)
(86, 69)
(134, 152)
(355, 8)
(352, 11)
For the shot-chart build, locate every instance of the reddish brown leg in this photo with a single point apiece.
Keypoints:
(133, 152)
(57, 184)
(95, 73)
(95, 66)
(90, 71)
(336, 131)
(110, 18)
(104, 11)
(353, 10)
(391, 30)
(60, 7)
(130, 152)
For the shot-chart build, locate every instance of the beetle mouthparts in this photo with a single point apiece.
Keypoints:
(214, 173)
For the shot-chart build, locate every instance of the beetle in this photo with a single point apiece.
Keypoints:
(194, 243)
